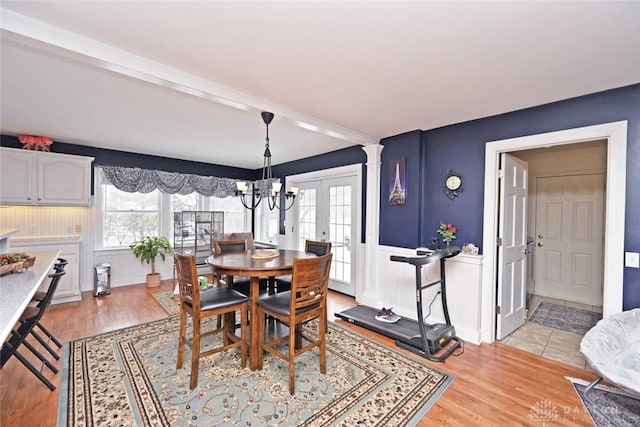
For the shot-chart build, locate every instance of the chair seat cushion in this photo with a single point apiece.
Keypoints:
(243, 285)
(29, 313)
(39, 296)
(612, 348)
(215, 298)
(279, 303)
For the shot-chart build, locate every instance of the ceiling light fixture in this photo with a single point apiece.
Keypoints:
(251, 194)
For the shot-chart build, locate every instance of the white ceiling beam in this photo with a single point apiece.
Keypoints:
(27, 31)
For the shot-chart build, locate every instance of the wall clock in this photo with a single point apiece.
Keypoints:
(452, 184)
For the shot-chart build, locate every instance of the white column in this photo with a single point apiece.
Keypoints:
(372, 228)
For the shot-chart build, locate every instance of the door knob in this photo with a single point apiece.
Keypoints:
(540, 244)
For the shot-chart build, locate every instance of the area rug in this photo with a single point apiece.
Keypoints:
(128, 377)
(565, 318)
(170, 303)
(608, 406)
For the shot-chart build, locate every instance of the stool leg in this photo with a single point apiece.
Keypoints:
(30, 367)
(49, 334)
(45, 344)
(41, 357)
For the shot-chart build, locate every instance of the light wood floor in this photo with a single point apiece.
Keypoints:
(495, 385)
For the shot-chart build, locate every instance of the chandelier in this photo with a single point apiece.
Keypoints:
(251, 194)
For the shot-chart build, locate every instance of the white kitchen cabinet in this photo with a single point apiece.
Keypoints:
(40, 178)
(69, 284)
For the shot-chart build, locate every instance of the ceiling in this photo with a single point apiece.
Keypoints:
(189, 79)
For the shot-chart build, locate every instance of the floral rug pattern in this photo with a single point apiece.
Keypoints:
(565, 318)
(609, 406)
(168, 301)
(128, 377)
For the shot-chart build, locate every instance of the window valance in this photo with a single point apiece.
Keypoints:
(136, 180)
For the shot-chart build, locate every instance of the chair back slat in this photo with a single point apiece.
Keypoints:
(310, 281)
(317, 247)
(228, 246)
(187, 276)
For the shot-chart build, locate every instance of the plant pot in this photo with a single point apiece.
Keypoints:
(153, 280)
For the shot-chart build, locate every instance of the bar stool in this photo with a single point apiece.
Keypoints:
(283, 283)
(38, 297)
(28, 321)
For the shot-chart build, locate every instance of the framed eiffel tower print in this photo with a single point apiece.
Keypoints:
(397, 182)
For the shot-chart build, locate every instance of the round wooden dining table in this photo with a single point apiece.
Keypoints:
(248, 264)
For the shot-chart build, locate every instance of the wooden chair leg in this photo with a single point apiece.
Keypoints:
(195, 354)
(260, 316)
(292, 358)
(322, 348)
(181, 338)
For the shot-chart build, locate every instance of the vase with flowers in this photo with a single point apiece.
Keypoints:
(448, 232)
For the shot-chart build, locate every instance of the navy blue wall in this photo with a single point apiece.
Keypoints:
(104, 157)
(346, 156)
(400, 225)
(461, 147)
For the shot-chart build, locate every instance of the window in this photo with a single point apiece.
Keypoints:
(124, 217)
(127, 218)
(267, 223)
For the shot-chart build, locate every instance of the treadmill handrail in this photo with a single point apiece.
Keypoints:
(427, 258)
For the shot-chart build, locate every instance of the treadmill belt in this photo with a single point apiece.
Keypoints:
(364, 316)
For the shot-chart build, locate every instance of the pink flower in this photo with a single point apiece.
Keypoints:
(33, 142)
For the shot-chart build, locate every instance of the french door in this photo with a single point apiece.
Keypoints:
(326, 212)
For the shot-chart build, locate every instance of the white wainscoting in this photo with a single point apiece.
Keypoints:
(126, 269)
(34, 222)
(396, 289)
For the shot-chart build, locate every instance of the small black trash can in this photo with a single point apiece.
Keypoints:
(102, 280)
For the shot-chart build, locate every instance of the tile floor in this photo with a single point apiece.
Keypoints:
(549, 342)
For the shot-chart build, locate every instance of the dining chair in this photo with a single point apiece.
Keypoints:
(240, 284)
(201, 306)
(306, 301)
(28, 320)
(283, 283)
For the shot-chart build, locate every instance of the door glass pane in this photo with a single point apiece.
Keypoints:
(340, 231)
(306, 216)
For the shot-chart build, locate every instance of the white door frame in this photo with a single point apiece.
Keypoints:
(616, 135)
(288, 240)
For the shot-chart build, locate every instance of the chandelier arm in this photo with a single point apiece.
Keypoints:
(257, 194)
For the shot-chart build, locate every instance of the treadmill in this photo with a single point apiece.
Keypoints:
(435, 342)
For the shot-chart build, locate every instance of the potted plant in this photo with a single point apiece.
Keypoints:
(147, 249)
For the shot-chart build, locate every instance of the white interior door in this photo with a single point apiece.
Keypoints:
(512, 260)
(570, 237)
(326, 212)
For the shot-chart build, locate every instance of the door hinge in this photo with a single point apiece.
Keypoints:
(499, 241)
(497, 309)
(500, 173)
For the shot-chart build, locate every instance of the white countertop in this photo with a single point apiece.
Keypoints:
(17, 289)
(45, 240)
(6, 232)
